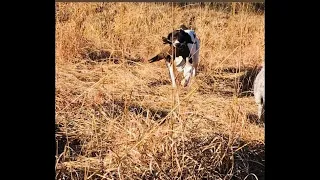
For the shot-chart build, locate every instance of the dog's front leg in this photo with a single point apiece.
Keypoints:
(171, 73)
(175, 95)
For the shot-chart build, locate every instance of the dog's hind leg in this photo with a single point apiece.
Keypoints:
(195, 66)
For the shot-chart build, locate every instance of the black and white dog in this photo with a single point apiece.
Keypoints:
(184, 51)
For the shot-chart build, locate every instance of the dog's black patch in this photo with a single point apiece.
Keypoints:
(182, 50)
(179, 35)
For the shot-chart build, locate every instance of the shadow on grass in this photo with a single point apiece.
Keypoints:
(244, 83)
(213, 157)
(254, 119)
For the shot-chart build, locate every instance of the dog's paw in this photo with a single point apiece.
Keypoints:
(184, 83)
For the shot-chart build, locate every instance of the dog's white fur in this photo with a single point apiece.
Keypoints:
(259, 92)
(189, 70)
(194, 51)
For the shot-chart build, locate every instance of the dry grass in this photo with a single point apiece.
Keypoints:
(114, 111)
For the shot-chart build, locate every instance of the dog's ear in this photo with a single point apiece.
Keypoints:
(182, 26)
(182, 31)
(169, 37)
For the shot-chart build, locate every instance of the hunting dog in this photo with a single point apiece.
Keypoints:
(182, 52)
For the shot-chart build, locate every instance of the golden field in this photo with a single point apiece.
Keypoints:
(115, 116)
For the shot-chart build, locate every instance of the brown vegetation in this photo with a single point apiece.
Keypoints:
(115, 117)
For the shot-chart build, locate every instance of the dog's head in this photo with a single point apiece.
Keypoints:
(177, 38)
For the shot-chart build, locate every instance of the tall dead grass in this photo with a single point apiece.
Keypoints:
(114, 112)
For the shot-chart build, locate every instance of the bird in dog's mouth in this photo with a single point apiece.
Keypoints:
(182, 62)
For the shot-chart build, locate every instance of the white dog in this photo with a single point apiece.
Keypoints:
(259, 92)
